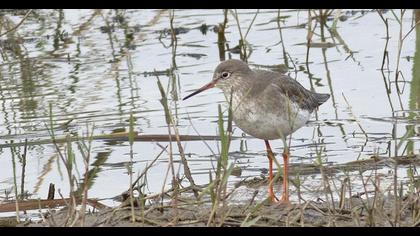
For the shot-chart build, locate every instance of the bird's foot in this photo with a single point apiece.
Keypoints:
(273, 198)
(283, 202)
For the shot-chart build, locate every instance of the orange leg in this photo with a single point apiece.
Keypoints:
(270, 156)
(285, 194)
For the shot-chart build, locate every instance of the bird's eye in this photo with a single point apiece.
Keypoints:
(225, 75)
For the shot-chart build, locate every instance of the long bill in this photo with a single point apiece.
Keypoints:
(205, 87)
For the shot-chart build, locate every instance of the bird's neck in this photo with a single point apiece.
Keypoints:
(237, 90)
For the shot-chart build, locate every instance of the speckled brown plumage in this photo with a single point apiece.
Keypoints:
(262, 81)
(267, 105)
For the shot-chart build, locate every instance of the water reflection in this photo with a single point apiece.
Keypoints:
(414, 100)
(97, 66)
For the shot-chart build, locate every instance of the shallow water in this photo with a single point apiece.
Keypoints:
(97, 66)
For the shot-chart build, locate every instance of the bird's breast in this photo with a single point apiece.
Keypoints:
(267, 120)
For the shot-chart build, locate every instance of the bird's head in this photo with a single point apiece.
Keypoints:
(227, 74)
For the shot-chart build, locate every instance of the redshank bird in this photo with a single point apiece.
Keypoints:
(267, 105)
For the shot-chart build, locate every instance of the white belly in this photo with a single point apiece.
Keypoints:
(260, 122)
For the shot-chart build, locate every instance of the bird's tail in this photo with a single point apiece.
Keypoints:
(321, 97)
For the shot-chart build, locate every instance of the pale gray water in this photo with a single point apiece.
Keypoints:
(96, 68)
